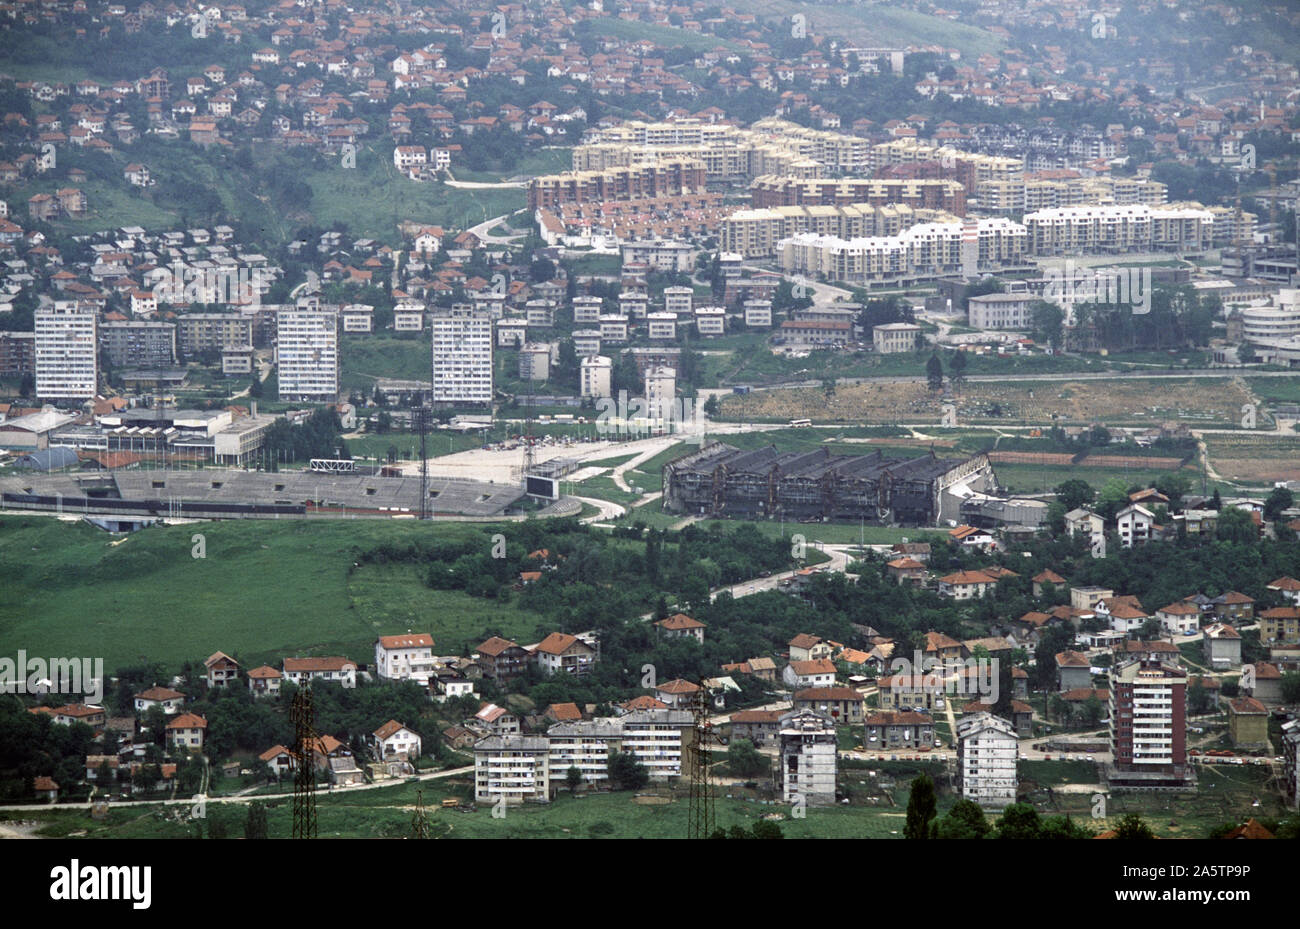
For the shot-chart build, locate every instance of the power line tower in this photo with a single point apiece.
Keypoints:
(420, 820)
(530, 454)
(303, 715)
(701, 821)
(420, 422)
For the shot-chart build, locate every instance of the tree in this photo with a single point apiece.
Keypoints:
(626, 772)
(964, 821)
(920, 809)
(1291, 687)
(1278, 500)
(744, 760)
(957, 367)
(1133, 827)
(573, 778)
(1048, 319)
(1019, 821)
(255, 825)
(934, 373)
(1074, 493)
(1173, 486)
(1235, 525)
(765, 829)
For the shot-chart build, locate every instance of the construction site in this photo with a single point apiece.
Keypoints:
(722, 480)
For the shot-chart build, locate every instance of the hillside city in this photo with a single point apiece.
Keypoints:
(643, 419)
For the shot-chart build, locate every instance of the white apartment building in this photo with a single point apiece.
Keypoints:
(307, 346)
(633, 304)
(758, 314)
(1134, 525)
(540, 313)
(662, 326)
(711, 320)
(587, 309)
(490, 302)
(596, 376)
(67, 354)
(1074, 230)
(535, 362)
(408, 316)
(660, 392)
(584, 745)
(513, 768)
(808, 757)
(920, 252)
(406, 657)
(358, 317)
(894, 338)
(659, 255)
(586, 342)
(1000, 311)
(678, 299)
(462, 357)
(613, 328)
(986, 760)
(660, 740)
(511, 333)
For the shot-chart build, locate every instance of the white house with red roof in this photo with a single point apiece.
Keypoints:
(394, 742)
(333, 670)
(560, 651)
(681, 626)
(187, 731)
(407, 657)
(170, 701)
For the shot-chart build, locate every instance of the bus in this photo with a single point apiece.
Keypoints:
(800, 423)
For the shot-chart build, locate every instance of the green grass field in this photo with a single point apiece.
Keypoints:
(373, 198)
(365, 358)
(264, 590)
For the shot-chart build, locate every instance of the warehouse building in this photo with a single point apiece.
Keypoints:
(722, 480)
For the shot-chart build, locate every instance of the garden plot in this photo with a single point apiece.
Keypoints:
(1195, 403)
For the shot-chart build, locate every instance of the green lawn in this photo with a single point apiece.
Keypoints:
(365, 358)
(389, 598)
(1276, 389)
(265, 589)
(373, 198)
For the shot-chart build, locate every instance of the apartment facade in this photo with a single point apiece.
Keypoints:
(512, 768)
(596, 373)
(407, 657)
(67, 357)
(138, 343)
(307, 348)
(462, 357)
(895, 338)
(1148, 724)
(986, 760)
(212, 332)
(808, 757)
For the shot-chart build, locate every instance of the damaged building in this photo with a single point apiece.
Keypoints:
(722, 480)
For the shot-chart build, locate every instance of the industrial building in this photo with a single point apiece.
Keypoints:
(722, 480)
(252, 494)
